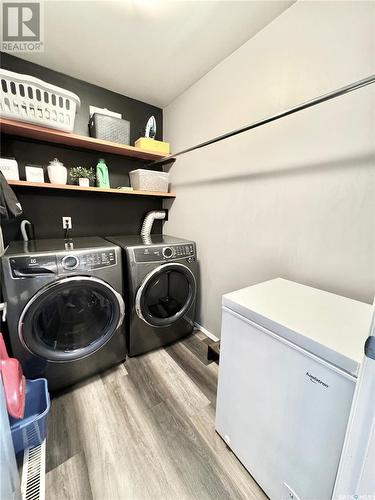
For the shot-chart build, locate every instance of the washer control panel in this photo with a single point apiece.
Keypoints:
(168, 252)
(45, 265)
(184, 250)
(33, 265)
(88, 261)
(70, 262)
(164, 253)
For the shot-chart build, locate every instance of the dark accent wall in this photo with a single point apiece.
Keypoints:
(136, 112)
(92, 214)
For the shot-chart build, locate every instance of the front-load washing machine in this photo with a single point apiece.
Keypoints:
(65, 310)
(161, 278)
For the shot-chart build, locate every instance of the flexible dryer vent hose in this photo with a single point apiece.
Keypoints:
(149, 221)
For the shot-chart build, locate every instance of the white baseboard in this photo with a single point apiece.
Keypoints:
(206, 332)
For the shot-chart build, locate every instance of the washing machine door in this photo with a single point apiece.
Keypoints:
(166, 294)
(71, 318)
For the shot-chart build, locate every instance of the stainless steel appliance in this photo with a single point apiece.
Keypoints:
(161, 283)
(65, 310)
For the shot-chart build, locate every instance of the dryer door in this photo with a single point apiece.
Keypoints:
(166, 294)
(71, 318)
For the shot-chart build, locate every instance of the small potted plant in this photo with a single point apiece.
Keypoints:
(82, 175)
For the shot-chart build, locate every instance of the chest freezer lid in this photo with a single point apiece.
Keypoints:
(330, 326)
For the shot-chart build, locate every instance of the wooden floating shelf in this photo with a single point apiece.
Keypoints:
(32, 131)
(68, 187)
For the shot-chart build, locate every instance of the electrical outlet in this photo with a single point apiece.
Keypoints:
(67, 222)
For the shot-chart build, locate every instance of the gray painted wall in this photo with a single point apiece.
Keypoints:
(295, 198)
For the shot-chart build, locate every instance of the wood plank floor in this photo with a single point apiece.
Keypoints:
(144, 430)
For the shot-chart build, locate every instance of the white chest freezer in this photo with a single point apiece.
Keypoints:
(289, 360)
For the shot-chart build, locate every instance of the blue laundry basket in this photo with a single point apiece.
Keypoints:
(30, 430)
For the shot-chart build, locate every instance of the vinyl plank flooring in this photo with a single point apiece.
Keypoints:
(63, 439)
(197, 465)
(150, 388)
(169, 382)
(103, 440)
(69, 480)
(114, 373)
(148, 457)
(123, 459)
(204, 423)
(204, 376)
(144, 431)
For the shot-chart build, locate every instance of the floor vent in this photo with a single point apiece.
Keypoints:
(34, 473)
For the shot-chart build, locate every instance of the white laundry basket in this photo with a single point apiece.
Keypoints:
(29, 99)
(149, 180)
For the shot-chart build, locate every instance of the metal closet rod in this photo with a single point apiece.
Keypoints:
(308, 104)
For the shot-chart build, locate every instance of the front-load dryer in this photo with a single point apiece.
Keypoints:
(65, 310)
(161, 281)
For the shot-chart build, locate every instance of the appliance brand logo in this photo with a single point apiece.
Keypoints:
(22, 27)
(316, 380)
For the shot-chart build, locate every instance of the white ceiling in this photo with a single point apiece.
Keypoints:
(150, 50)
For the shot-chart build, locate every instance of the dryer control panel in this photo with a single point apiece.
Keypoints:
(163, 253)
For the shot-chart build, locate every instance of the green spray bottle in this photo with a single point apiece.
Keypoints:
(102, 178)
